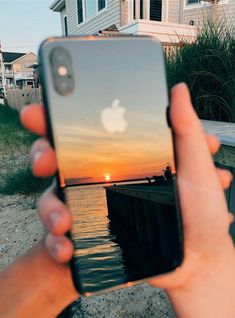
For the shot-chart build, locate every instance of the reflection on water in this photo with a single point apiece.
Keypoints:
(124, 242)
(99, 256)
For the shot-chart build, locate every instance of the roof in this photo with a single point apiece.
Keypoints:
(25, 54)
(9, 57)
(57, 5)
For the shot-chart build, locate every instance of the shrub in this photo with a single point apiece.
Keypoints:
(208, 67)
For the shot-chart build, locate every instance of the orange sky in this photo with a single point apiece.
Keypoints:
(92, 155)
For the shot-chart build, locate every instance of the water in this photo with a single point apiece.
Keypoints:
(109, 253)
(99, 258)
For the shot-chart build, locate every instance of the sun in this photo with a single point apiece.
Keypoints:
(107, 177)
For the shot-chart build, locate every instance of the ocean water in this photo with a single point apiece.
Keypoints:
(99, 257)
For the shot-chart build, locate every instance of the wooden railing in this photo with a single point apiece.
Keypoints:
(171, 48)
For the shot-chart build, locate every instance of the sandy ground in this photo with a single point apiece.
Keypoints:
(21, 229)
(20, 226)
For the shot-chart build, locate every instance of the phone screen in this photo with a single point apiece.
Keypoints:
(116, 160)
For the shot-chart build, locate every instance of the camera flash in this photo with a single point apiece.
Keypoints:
(62, 71)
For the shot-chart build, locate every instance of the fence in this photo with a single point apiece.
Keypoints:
(18, 98)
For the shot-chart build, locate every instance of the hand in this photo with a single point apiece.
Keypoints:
(209, 252)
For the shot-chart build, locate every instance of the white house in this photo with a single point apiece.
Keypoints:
(168, 20)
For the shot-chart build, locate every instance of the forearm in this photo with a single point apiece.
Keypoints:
(212, 296)
(35, 286)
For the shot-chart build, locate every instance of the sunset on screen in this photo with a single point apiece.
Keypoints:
(108, 133)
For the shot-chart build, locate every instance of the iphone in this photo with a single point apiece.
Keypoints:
(106, 102)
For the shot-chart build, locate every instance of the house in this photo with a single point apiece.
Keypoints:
(168, 20)
(8, 58)
(14, 70)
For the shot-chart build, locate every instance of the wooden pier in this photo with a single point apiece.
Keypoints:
(140, 212)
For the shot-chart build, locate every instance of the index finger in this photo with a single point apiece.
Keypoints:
(33, 118)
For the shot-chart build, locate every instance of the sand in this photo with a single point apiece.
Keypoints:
(21, 228)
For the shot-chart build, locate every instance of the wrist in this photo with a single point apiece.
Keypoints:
(36, 286)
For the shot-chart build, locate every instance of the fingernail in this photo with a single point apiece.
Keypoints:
(53, 219)
(37, 156)
(182, 84)
(56, 249)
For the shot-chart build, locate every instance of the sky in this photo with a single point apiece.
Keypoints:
(24, 24)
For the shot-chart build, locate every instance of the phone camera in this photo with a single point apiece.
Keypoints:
(62, 72)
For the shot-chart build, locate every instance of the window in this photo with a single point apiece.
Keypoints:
(134, 7)
(101, 4)
(141, 9)
(193, 1)
(89, 8)
(65, 26)
(141, 13)
(80, 10)
(156, 10)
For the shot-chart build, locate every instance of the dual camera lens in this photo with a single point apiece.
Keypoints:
(62, 72)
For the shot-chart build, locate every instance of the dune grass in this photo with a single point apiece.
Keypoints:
(15, 143)
(208, 67)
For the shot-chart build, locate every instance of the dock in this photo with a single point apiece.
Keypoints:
(138, 213)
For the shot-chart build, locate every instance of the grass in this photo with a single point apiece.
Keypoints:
(15, 142)
(12, 134)
(22, 182)
(208, 67)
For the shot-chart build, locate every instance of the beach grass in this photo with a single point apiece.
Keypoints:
(15, 169)
(208, 67)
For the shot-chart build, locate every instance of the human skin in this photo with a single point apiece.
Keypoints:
(203, 286)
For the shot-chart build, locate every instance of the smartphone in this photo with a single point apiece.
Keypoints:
(106, 102)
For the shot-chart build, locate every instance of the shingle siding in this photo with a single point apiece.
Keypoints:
(200, 14)
(174, 11)
(102, 21)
